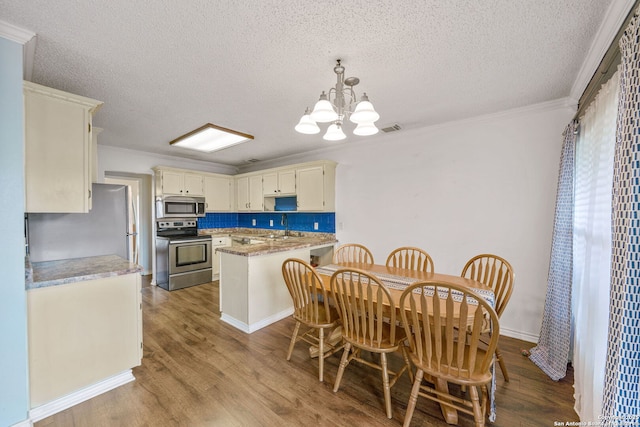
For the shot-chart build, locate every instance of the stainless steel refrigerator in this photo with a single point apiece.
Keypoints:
(102, 231)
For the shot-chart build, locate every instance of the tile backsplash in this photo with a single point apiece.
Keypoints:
(298, 221)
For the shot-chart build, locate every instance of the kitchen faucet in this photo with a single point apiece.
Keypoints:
(285, 222)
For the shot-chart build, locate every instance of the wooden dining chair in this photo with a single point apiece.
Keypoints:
(352, 252)
(410, 258)
(434, 314)
(311, 307)
(368, 316)
(497, 273)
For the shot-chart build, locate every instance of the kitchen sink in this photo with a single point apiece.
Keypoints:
(275, 236)
(243, 241)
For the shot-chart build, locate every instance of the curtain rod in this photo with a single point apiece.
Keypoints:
(607, 68)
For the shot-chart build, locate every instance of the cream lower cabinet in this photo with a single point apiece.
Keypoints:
(217, 242)
(82, 333)
(58, 139)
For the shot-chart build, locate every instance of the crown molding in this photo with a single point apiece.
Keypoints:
(613, 20)
(28, 41)
(15, 33)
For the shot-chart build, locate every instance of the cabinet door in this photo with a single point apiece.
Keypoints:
(172, 182)
(279, 183)
(217, 193)
(287, 182)
(57, 164)
(217, 242)
(256, 198)
(310, 189)
(242, 194)
(193, 184)
(270, 184)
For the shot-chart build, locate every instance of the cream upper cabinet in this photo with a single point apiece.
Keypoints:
(249, 193)
(180, 183)
(279, 183)
(172, 182)
(316, 187)
(193, 184)
(313, 183)
(58, 140)
(218, 193)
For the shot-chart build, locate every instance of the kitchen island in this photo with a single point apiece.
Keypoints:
(252, 291)
(84, 324)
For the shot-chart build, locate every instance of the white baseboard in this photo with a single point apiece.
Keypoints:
(25, 423)
(524, 336)
(235, 323)
(65, 402)
(257, 325)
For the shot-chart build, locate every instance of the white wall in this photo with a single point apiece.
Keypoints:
(484, 185)
(123, 160)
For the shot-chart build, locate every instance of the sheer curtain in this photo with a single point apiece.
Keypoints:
(592, 248)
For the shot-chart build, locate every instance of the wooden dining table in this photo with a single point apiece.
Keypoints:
(396, 280)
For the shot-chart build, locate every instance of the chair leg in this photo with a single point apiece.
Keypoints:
(343, 364)
(503, 366)
(413, 397)
(321, 355)
(385, 384)
(293, 339)
(407, 362)
(478, 416)
(485, 401)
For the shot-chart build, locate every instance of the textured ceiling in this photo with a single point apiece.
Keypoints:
(164, 67)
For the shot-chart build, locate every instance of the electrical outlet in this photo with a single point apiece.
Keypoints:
(253, 221)
(270, 223)
(315, 225)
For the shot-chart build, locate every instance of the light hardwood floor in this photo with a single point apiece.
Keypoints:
(199, 371)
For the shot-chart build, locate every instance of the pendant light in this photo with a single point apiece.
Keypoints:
(336, 106)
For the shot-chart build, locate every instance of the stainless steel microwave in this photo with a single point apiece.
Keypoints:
(180, 207)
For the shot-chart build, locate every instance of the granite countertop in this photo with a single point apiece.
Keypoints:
(272, 240)
(52, 273)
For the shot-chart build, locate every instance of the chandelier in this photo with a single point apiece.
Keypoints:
(337, 106)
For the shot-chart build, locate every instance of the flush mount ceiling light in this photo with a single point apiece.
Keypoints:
(337, 106)
(209, 138)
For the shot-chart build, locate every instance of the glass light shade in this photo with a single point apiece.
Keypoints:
(365, 129)
(323, 111)
(306, 125)
(364, 113)
(334, 133)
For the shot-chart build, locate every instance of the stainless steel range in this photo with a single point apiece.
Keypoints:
(183, 258)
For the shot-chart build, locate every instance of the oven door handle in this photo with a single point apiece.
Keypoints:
(180, 242)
